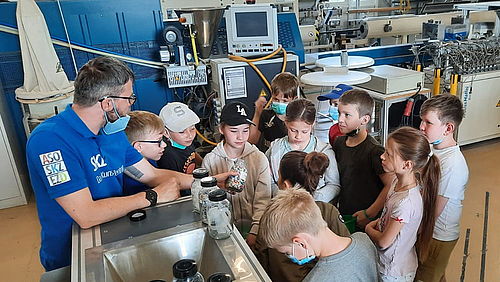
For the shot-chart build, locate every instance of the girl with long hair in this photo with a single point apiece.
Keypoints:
(407, 220)
(299, 120)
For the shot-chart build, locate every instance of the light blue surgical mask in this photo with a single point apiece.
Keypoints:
(177, 145)
(116, 126)
(279, 108)
(437, 142)
(303, 261)
(334, 112)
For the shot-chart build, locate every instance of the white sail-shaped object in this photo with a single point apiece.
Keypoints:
(44, 77)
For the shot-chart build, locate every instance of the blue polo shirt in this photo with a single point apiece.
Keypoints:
(64, 156)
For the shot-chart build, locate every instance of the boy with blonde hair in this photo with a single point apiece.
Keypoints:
(292, 224)
(145, 132)
(364, 183)
(441, 115)
(270, 122)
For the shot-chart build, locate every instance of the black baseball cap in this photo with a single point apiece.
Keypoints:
(235, 113)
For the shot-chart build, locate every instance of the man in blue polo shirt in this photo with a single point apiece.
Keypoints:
(77, 159)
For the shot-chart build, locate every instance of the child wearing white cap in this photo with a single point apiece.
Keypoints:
(179, 155)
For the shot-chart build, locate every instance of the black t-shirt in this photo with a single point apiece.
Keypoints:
(271, 128)
(359, 170)
(177, 159)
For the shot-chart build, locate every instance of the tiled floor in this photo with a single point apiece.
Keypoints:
(20, 231)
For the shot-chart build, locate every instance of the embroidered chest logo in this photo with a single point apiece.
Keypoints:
(54, 168)
(98, 162)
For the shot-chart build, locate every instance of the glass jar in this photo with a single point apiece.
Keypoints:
(198, 174)
(220, 277)
(236, 183)
(186, 270)
(220, 221)
(208, 184)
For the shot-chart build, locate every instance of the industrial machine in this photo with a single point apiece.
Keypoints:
(237, 81)
(251, 29)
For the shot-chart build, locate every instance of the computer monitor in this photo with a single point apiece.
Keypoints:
(251, 29)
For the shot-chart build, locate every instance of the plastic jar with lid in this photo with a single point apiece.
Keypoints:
(220, 221)
(198, 174)
(208, 184)
(186, 270)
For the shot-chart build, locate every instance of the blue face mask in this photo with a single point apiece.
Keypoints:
(303, 261)
(334, 112)
(437, 142)
(116, 126)
(279, 108)
(177, 145)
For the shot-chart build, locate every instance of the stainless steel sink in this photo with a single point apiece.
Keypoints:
(151, 256)
(154, 259)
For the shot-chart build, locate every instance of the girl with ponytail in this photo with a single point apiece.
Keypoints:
(304, 169)
(299, 169)
(408, 217)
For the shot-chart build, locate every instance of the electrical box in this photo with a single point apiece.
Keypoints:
(389, 79)
(237, 81)
(481, 100)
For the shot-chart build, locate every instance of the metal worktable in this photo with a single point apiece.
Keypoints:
(171, 219)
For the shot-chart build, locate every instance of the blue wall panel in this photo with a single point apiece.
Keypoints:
(128, 27)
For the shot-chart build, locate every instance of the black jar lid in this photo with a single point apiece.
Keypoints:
(199, 173)
(209, 181)
(184, 268)
(217, 195)
(220, 277)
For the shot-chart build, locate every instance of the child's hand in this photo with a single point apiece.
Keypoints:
(251, 239)
(372, 225)
(259, 104)
(222, 177)
(361, 219)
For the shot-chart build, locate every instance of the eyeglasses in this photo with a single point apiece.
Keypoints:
(162, 139)
(131, 99)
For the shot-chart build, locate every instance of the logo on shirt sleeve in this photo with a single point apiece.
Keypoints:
(54, 168)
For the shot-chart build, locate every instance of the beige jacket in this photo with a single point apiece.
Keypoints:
(249, 204)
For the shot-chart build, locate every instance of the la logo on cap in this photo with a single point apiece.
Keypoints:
(241, 110)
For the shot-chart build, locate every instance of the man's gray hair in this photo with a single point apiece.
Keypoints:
(100, 77)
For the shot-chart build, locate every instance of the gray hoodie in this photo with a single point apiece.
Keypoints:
(249, 204)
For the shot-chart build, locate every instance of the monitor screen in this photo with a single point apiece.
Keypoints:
(251, 24)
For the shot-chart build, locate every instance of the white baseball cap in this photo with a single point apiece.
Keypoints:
(177, 116)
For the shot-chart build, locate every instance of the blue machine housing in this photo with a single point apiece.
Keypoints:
(127, 27)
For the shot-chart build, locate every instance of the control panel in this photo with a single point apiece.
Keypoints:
(183, 76)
